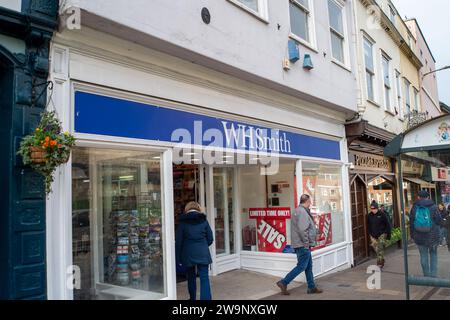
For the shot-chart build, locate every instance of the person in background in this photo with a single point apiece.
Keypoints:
(425, 223)
(447, 225)
(379, 231)
(444, 215)
(193, 238)
(303, 230)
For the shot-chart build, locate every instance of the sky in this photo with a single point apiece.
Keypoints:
(433, 18)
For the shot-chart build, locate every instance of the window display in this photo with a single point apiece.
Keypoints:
(324, 184)
(118, 241)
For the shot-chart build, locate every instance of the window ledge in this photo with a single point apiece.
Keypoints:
(303, 43)
(390, 113)
(340, 64)
(374, 103)
(257, 15)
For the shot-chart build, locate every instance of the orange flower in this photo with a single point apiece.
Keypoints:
(47, 139)
(53, 143)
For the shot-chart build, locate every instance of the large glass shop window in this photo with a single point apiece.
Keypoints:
(117, 224)
(324, 184)
(267, 202)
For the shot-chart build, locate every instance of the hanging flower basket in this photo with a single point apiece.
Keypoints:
(47, 148)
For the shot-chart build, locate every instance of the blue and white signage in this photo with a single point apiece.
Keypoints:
(101, 115)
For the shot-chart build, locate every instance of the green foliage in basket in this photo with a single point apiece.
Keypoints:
(396, 236)
(47, 148)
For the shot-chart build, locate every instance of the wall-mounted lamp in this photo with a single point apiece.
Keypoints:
(307, 62)
(294, 52)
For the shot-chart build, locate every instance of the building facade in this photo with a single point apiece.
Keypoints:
(388, 85)
(132, 85)
(26, 28)
(429, 95)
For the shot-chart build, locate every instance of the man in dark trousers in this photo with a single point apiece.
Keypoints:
(425, 225)
(379, 231)
(303, 230)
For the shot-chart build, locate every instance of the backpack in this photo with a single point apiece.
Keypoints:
(423, 222)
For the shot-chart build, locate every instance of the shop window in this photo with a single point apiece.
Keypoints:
(117, 224)
(224, 210)
(328, 210)
(266, 202)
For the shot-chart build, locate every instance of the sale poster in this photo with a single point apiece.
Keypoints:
(271, 228)
(324, 230)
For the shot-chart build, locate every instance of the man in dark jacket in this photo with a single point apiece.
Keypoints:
(193, 238)
(427, 240)
(379, 231)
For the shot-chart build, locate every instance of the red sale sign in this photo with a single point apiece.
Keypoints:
(271, 227)
(324, 231)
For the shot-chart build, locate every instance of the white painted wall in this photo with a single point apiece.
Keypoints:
(235, 42)
(15, 5)
(375, 111)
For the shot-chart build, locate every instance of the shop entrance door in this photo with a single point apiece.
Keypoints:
(359, 220)
(221, 202)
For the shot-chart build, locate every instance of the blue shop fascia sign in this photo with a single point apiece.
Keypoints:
(102, 115)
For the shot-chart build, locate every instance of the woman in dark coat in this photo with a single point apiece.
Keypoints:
(193, 238)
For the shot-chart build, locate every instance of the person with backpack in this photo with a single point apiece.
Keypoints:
(379, 231)
(425, 223)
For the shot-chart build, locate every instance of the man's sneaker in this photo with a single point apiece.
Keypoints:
(283, 288)
(315, 291)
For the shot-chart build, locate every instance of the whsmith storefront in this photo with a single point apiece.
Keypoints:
(149, 142)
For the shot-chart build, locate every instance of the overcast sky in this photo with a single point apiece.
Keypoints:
(434, 20)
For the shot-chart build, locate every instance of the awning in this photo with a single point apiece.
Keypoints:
(422, 183)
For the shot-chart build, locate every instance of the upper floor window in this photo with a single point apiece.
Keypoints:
(300, 16)
(416, 99)
(392, 14)
(386, 82)
(256, 7)
(399, 94)
(370, 70)
(336, 17)
(407, 95)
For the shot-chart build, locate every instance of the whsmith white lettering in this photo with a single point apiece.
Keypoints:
(248, 137)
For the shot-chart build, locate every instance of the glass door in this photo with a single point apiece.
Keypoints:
(224, 208)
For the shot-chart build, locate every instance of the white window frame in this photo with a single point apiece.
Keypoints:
(392, 14)
(367, 70)
(312, 43)
(261, 14)
(344, 36)
(407, 95)
(416, 99)
(385, 57)
(398, 89)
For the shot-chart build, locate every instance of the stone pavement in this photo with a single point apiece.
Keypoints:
(346, 285)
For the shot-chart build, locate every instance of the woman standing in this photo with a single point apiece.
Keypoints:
(193, 238)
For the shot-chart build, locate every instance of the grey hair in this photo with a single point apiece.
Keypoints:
(304, 198)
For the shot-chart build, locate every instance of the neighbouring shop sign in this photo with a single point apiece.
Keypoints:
(367, 161)
(271, 227)
(412, 167)
(435, 133)
(102, 115)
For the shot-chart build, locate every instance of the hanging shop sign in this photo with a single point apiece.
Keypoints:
(439, 174)
(367, 161)
(102, 115)
(271, 227)
(324, 230)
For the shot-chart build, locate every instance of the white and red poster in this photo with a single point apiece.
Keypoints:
(324, 230)
(271, 227)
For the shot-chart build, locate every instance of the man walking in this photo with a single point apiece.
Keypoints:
(425, 225)
(379, 231)
(304, 234)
